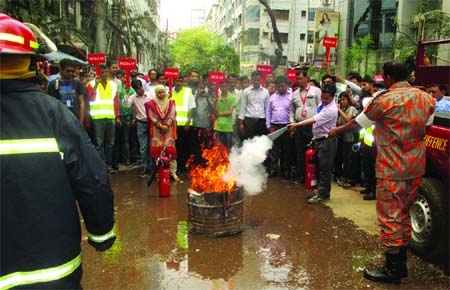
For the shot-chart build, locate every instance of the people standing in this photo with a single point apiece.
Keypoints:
(325, 146)
(163, 128)
(105, 113)
(305, 101)
(122, 150)
(138, 100)
(252, 115)
(401, 115)
(224, 107)
(277, 116)
(185, 103)
(203, 117)
(438, 92)
(68, 90)
(50, 171)
(346, 169)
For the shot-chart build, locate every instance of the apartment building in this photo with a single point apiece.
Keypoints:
(246, 25)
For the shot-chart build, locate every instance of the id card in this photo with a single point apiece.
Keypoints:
(304, 113)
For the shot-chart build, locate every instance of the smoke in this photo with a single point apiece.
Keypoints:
(246, 164)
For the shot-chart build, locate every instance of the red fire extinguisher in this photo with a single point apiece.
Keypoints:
(163, 174)
(311, 177)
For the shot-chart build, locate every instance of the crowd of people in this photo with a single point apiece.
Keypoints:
(108, 122)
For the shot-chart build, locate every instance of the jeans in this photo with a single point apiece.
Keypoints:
(143, 139)
(104, 138)
(123, 146)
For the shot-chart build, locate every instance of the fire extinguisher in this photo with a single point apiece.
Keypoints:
(311, 176)
(163, 163)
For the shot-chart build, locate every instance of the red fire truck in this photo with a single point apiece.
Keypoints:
(430, 212)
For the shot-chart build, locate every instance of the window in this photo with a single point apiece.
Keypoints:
(303, 13)
(310, 37)
(253, 36)
(284, 37)
(302, 36)
(281, 14)
(311, 15)
(252, 13)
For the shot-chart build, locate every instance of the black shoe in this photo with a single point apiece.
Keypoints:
(369, 196)
(364, 191)
(403, 269)
(389, 273)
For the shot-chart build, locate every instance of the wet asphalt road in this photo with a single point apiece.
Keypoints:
(285, 244)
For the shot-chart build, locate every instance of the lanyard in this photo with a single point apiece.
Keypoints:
(303, 98)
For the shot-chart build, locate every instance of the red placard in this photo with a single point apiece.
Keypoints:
(96, 59)
(216, 77)
(127, 64)
(329, 42)
(265, 70)
(171, 74)
(291, 74)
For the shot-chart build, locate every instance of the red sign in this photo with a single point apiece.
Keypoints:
(127, 64)
(265, 70)
(96, 59)
(328, 42)
(216, 77)
(291, 74)
(170, 74)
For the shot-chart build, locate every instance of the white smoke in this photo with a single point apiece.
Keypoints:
(246, 164)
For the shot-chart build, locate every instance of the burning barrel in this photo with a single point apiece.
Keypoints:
(215, 214)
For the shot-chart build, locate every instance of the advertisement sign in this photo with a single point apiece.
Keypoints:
(326, 25)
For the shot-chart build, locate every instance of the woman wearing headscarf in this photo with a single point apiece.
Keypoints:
(163, 127)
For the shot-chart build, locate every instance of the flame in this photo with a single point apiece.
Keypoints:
(209, 177)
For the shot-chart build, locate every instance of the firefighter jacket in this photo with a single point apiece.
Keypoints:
(48, 165)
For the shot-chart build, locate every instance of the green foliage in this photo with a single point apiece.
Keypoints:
(357, 54)
(198, 49)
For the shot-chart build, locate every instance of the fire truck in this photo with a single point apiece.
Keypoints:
(430, 211)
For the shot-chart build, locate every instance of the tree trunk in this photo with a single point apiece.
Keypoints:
(100, 39)
(276, 35)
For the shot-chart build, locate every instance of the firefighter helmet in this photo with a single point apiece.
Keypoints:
(16, 37)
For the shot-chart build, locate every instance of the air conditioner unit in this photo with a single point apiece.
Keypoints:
(326, 2)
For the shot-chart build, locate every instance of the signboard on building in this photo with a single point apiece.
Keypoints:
(326, 25)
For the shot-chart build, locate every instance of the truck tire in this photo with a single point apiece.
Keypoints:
(429, 219)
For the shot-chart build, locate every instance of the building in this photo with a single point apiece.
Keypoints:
(246, 25)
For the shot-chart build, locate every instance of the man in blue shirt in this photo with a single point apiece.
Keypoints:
(438, 92)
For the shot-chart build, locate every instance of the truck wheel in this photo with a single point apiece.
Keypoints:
(429, 219)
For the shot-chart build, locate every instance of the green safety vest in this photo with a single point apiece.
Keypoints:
(103, 106)
(181, 99)
(367, 135)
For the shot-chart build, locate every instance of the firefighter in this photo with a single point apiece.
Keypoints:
(48, 166)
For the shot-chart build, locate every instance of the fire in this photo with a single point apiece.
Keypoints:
(208, 177)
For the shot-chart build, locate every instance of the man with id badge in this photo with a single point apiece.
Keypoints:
(305, 101)
(68, 90)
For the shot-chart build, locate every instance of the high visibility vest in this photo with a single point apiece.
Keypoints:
(367, 135)
(181, 99)
(103, 106)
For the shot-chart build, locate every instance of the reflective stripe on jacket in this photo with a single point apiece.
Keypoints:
(41, 275)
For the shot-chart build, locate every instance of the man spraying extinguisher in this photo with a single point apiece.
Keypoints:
(325, 146)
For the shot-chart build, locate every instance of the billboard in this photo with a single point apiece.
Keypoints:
(326, 23)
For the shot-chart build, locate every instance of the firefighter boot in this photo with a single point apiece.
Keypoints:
(389, 273)
(403, 269)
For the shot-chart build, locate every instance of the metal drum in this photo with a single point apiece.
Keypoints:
(215, 214)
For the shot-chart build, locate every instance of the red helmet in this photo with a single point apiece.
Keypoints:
(16, 37)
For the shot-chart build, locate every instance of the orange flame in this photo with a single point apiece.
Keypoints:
(208, 178)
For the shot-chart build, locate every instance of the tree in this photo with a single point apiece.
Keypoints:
(427, 25)
(358, 54)
(198, 49)
(276, 34)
